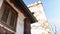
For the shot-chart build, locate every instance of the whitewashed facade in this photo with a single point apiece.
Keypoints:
(42, 26)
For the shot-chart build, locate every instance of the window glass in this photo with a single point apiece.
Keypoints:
(5, 14)
(13, 19)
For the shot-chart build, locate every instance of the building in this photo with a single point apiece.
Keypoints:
(15, 17)
(42, 26)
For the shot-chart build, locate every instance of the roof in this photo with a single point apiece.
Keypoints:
(22, 5)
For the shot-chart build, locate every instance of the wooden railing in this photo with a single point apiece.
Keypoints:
(8, 26)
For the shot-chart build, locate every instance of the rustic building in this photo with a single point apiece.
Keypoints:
(15, 17)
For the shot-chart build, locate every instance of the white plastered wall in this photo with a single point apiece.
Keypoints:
(20, 24)
(42, 26)
(1, 3)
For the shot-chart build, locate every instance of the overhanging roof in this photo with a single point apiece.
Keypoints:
(22, 5)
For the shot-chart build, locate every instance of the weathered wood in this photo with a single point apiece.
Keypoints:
(27, 27)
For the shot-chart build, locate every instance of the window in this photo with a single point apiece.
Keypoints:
(13, 19)
(5, 15)
(9, 17)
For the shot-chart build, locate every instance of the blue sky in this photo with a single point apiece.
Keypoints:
(27, 2)
(51, 7)
(52, 11)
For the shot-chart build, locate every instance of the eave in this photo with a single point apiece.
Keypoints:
(21, 5)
